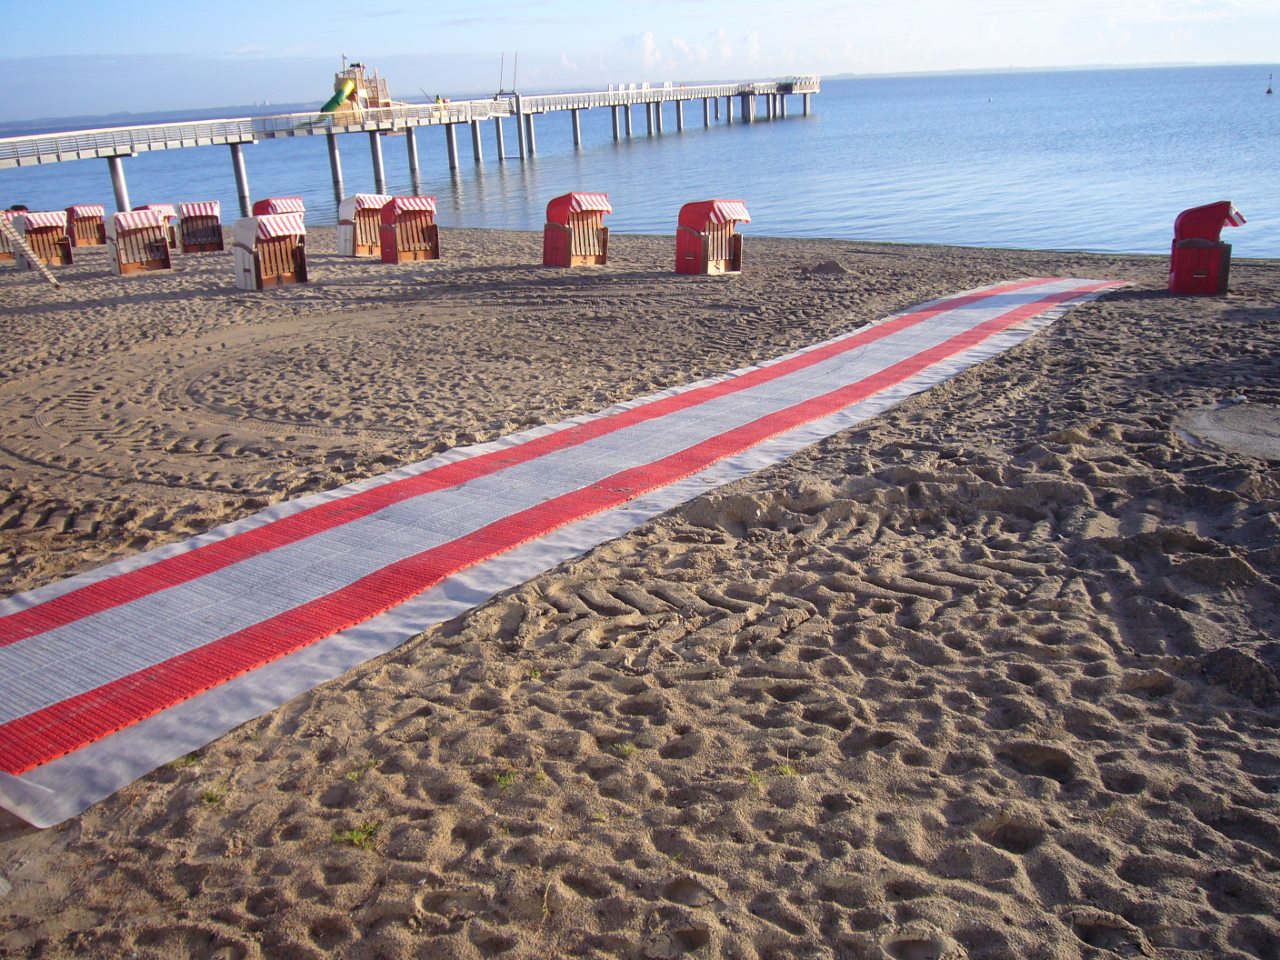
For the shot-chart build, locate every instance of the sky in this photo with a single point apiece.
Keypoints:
(106, 56)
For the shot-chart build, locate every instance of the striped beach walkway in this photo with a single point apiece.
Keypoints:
(107, 675)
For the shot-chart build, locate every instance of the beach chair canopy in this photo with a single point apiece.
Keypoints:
(361, 201)
(201, 208)
(166, 210)
(135, 220)
(1206, 223)
(78, 210)
(699, 214)
(38, 219)
(274, 205)
(248, 231)
(558, 210)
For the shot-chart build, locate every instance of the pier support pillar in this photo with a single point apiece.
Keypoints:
(497, 136)
(657, 115)
(706, 113)
(577, 129)
(806, 103)
(411, 146)
(450, 145)
(626, 112)
(335, 165)
(375, 153)
(116, 166)
(617, 128)
(477, 148)
(717, 100)
(648, 118)
(748, 108)
(520, 132)
(728, 109)
(533, 137)
(242, 179)
(782, 105)
(679, 115)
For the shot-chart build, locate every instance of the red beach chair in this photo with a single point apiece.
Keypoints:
(575, 234)
(1201, 262)
(707, 240)
(409, 230)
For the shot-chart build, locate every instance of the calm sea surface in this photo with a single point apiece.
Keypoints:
(1088, 160)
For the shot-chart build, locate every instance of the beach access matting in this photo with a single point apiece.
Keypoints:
(107, 675)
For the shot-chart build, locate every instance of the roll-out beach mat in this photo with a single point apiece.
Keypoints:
(107, 675)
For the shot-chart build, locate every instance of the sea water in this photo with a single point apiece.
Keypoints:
(1099, 160)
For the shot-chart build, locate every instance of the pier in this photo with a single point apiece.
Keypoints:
(765, 100)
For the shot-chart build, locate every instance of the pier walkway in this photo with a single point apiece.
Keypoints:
(767, 98)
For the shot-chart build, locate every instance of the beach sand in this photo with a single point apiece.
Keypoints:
(994, 675)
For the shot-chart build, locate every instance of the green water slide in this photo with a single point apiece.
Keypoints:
(345, 89)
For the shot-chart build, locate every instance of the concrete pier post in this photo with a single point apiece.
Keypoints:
(728, 109)
(679, 115)
(335, 165)
(577, 129)
(706, 113)
(450, 145)
(626, 113)
(497, 136)
(782, 105)
(657, 115)
(617, 124)
(411, 145)
(477, 148)
(648, 118)
(806, 103)
(533, 137)
(242, 179)
(116, 166)
(748, 108)
(520, 132)
(717, 101)
(375, 153)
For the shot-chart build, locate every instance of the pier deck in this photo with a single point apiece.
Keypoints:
(115, 143)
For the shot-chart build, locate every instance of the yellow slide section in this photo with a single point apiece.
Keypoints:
(345, 89)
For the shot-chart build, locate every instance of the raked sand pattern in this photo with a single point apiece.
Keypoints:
(991, 676)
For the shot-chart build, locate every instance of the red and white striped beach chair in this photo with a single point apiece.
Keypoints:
(85, 225)
(575, 234)
(138, 242)
(46, 235)
(200, 226)
(707, 240)
(170, 214)
(409, 230)
(270, 251)
(359, 220)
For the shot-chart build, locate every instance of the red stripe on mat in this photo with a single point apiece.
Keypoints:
(184, 567)
(66, 726)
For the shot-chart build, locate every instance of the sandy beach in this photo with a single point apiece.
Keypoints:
(995, 676)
